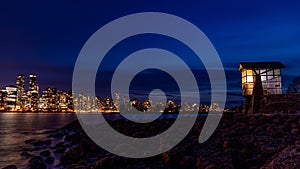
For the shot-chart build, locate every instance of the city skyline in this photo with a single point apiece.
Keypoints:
(15, 98)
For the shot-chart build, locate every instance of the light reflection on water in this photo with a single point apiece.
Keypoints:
(15, 128)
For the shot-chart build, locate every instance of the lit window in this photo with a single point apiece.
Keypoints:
(270, 77)
(244, 80)
(243, 73)
(263, 78)
(249, 78)
(249, 72)
(270, 72)
(279, 78)
(277, 71)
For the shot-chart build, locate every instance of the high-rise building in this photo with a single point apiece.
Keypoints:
(32, 83)
(20, 83)
(2, 99)
(117, 100)
(70, 103)
(33, 92)
(11, 97)
(50, 99)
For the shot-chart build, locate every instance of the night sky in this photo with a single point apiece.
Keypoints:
(45, 38)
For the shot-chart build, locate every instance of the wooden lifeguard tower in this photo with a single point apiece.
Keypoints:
(258, 79)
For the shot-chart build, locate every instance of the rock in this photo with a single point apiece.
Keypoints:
(60, 149)
(49, 160)
(294, 125)
(226, 166)
(25, 132)
(56, 135)
(203, 163)
(36, 162)
(234, 158)
(73, 125)
(68, 145)
(295, 131)
(80, 165)
(45, 153)
(108, 163)
(266, 148)
(288, 158)
(58, 145)
(29, 141)
(71, 155)
(278, 133)
(39, 166)
(26, 154)
(41, 143)
(289, 139)
(73, 139)
(212, 166)
(172, 157)
(35, 159)
(226, 144)
(48, 132)
(10, 167)
(276, 121)
(187, 162)
(231, 143)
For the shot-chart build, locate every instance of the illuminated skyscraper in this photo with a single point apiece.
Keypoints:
(32, 83)
(11, 97)
(117, 100)
(2, 99)
(33, 92)
(20, 83)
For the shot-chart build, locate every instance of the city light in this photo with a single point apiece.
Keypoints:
(14, 98)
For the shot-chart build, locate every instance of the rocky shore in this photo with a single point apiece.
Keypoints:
(240, 141)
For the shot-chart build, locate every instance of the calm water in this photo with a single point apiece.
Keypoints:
(15, 128)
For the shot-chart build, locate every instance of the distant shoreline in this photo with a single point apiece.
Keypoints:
(48, 112)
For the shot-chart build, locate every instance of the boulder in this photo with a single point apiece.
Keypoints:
(187, 162)
(288, 158)
(109, 163)
(26, 154)
(10, 167)
(35, 159)
(36, 162)
(49, 160)
(41, 143)
(45, 153)
(172, 157)
(29, 141)
(71, 156)
(203, 163)
(295, 131)
(60, 149)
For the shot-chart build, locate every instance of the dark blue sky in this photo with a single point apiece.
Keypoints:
(45, 38)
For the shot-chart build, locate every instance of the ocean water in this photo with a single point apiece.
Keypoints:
(15, 128)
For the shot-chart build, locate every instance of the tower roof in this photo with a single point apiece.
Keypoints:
(260, 65)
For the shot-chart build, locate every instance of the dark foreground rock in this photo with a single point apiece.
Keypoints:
(288, 158)
(36, 162)
(10, 167)
(247, 142)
